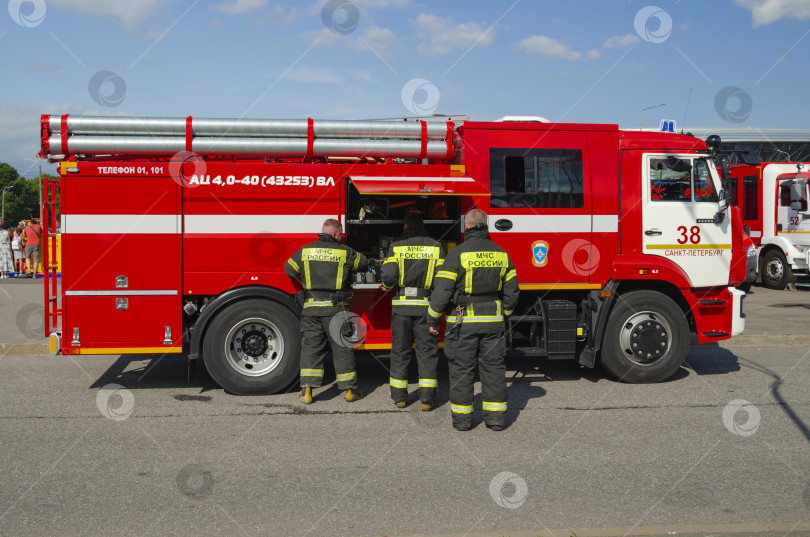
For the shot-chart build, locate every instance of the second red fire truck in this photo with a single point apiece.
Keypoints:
(175, 231)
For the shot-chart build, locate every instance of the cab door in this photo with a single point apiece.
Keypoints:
(540, 210)
(793, 224)
(680, 205)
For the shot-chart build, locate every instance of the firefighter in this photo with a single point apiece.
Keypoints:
(410, 270)
(479, 281)
(324, 268)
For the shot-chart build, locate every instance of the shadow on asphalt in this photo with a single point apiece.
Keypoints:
(524, 376)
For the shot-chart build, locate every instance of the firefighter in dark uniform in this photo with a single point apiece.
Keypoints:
(479, 282)
(410, 269)
(324, 268)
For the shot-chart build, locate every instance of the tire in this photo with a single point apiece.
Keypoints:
(253, 346)
(649, 323)
(776, 272)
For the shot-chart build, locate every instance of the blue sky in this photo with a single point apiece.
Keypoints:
(577, 61)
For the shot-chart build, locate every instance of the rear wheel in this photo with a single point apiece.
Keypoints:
(776, 272)
(646, 338)
(253, 346)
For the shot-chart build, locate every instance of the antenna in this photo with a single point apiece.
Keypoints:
(683, 123)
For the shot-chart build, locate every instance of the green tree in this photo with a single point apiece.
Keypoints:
(22, 199)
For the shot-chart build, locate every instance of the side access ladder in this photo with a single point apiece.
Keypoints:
(53, 297)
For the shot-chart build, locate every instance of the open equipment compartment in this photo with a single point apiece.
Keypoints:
(376, 208)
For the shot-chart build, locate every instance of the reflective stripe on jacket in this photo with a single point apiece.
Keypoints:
(411, 269)
(476, 267)
(324, 265)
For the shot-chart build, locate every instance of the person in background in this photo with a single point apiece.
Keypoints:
(17, 250)
(6, 256)
(33, 234)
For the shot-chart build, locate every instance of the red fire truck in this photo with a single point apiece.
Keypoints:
(175, 232)
(773, 201)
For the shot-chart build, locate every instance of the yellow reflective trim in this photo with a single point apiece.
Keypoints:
(509, 275)
(356, 261)
(494, 407)
(688, 246)
(439, 262)
(428, 383)
(429, 275)
(461, 409)
(400, 301)
(447, 274)
(373, 346)
(543, 286)
(433, 313)
(483, 318)
(317, 303)
(508, 312)
(312, 372)
(294, 265)
(328, 255)
(128, 350)
(397, 383)
(346, 376)
(390, 260)
(307, 281)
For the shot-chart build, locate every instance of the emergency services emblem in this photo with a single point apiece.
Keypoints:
(539, 253)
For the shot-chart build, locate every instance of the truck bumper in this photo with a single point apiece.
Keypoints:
(737, 314)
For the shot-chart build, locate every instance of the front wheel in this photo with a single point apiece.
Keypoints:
(646, 338)
(253, 346)
(776, 272)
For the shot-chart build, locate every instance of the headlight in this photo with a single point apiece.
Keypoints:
(752, 251)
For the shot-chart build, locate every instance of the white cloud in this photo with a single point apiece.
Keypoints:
(19, 137)
(765, 12)
(621, 41)
(549, 47)
(131, 13)
(312, 75)
(379, 40)
(593, 54)
(238, 7)
(442, 36)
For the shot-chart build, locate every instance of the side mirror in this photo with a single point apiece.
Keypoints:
(724, 198)
(797, 190)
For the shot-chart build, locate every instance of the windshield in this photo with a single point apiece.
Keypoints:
(683, 179)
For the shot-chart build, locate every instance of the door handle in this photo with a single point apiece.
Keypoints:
(652, 232)
(503, 224)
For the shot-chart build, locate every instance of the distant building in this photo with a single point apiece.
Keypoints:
(772, 145)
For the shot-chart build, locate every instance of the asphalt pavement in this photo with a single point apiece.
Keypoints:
(134, 445)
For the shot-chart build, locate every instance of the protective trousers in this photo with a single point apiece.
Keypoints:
(465, 349)
(315, 332)
(408, 331)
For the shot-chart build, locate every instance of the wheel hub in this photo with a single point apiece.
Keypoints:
(648, 340)
(254, 343)
(646, 337)
(775, 269)
(253, 346)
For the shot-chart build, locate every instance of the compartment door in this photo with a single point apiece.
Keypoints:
(121, 276)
